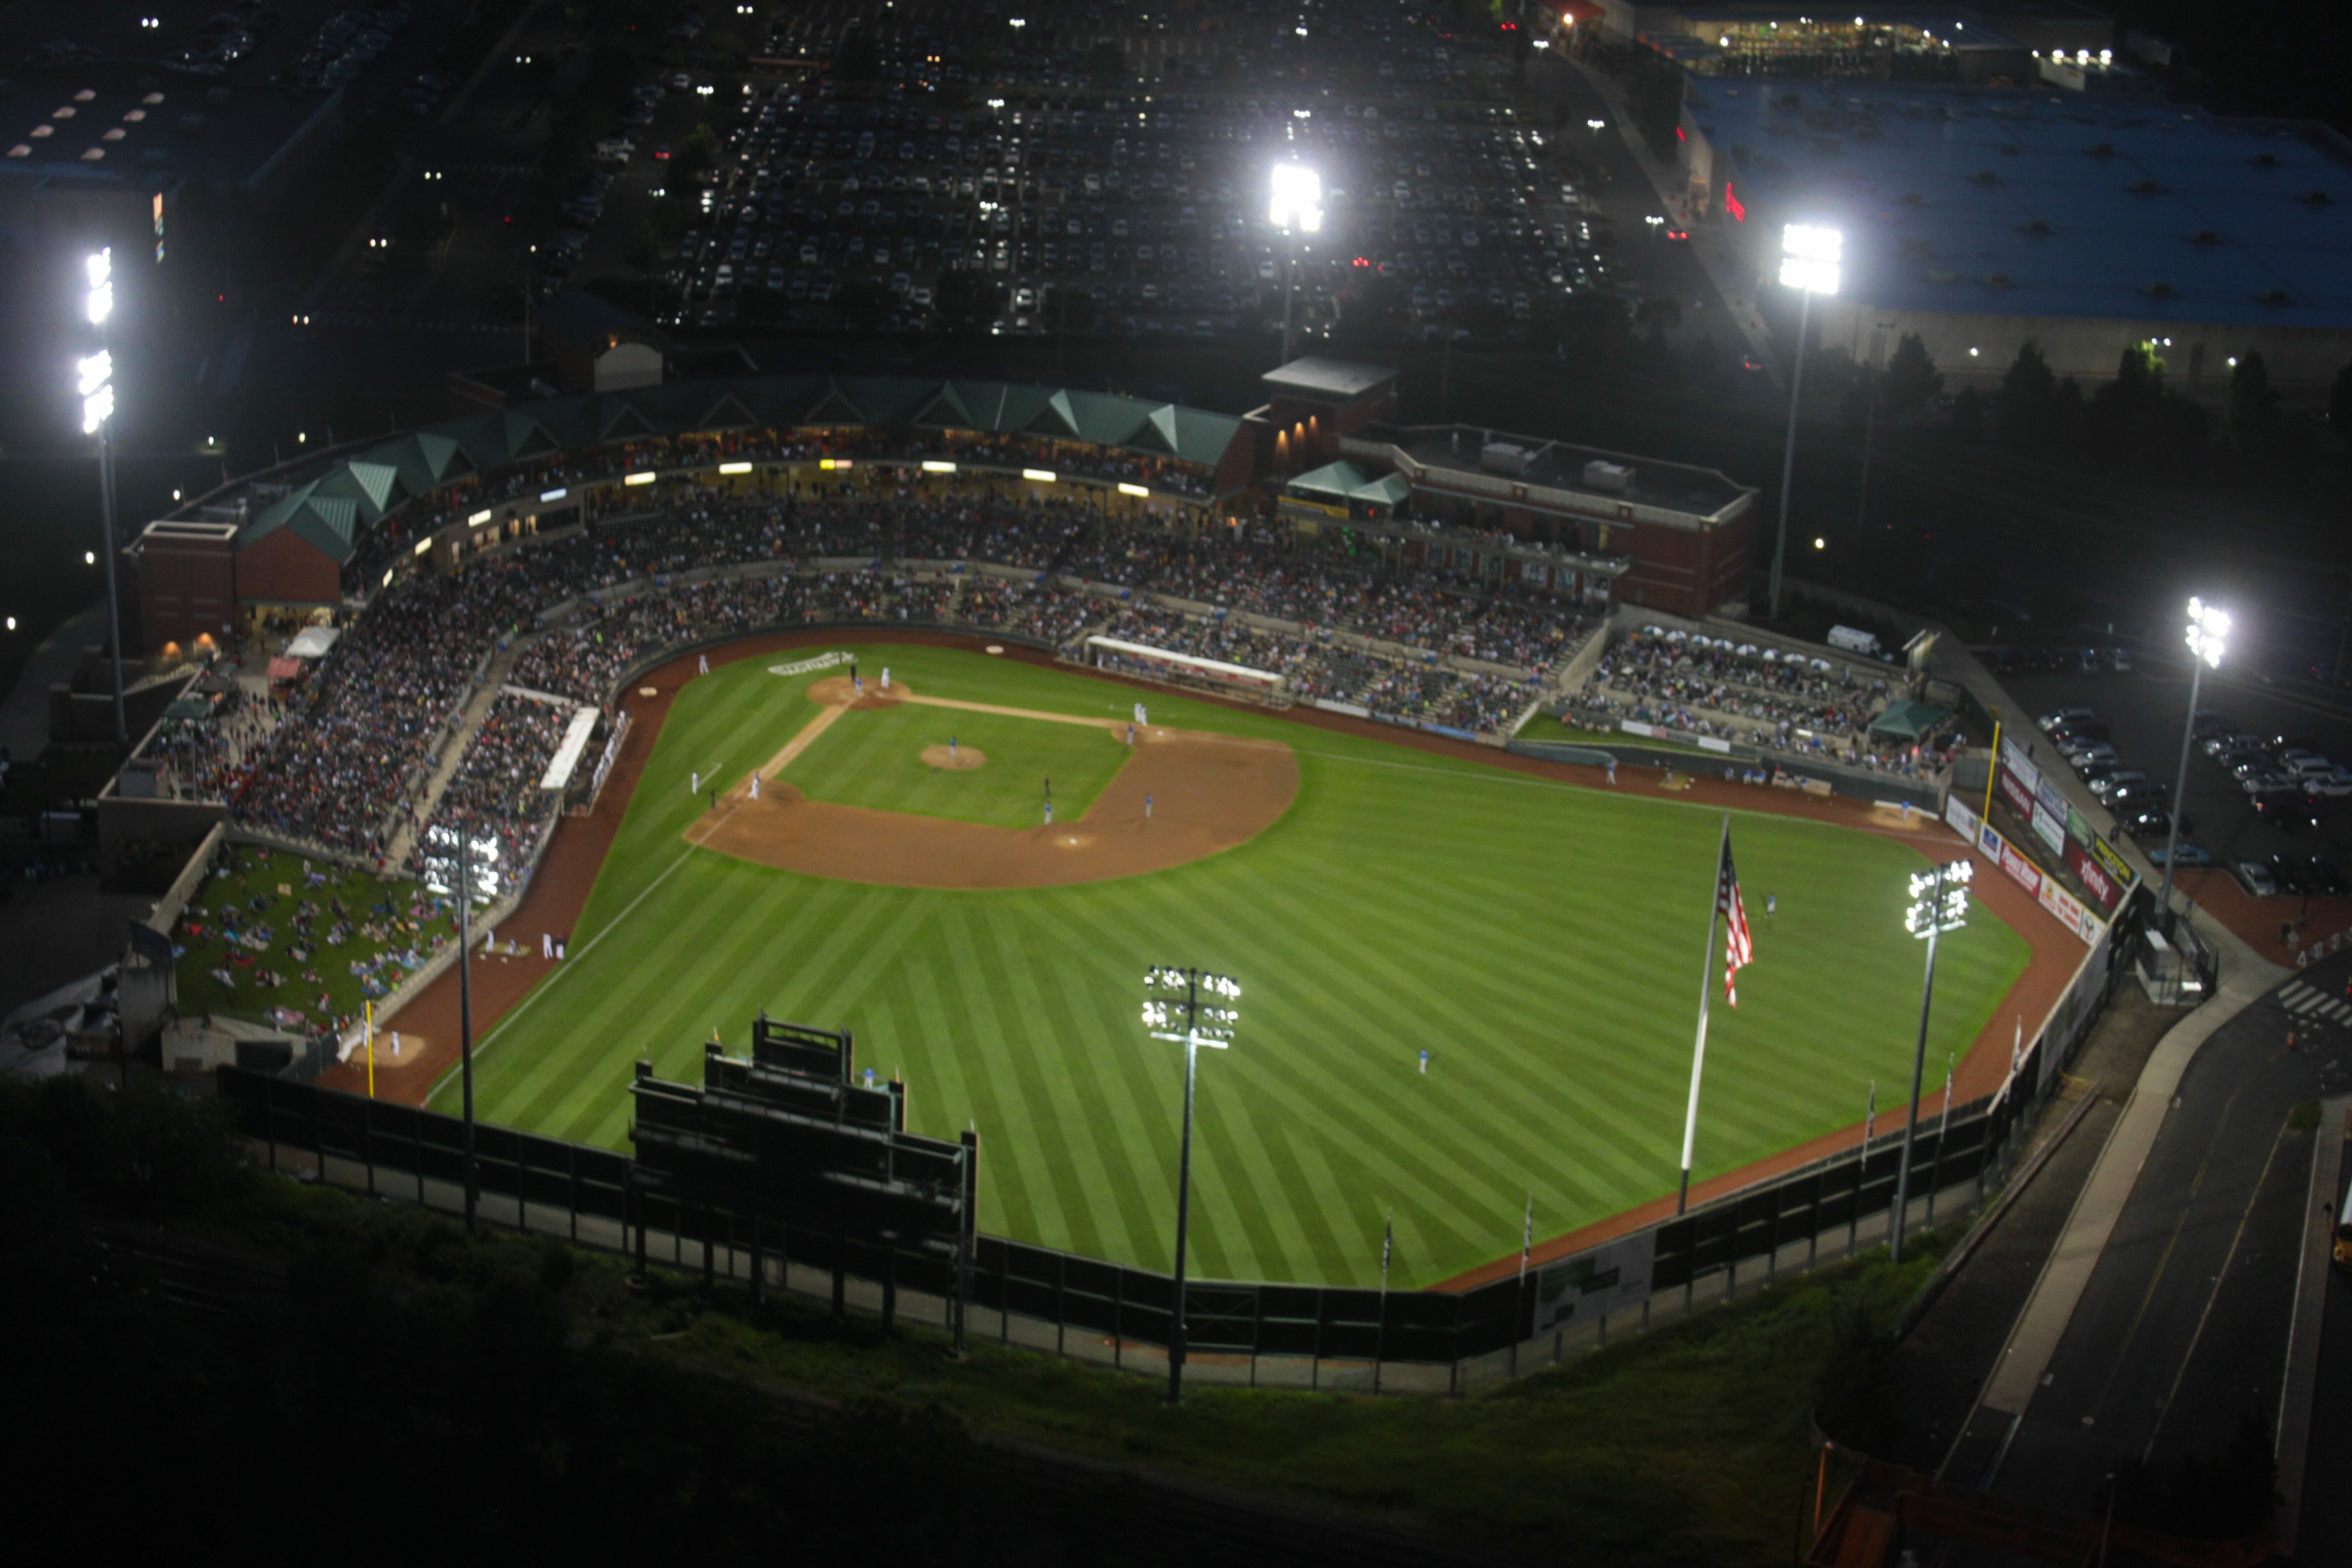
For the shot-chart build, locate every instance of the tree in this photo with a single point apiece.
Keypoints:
(698, 151)
(2034, 410)
(1661, 313)
(2251, 409)
(1912, 380)
(1710, 366)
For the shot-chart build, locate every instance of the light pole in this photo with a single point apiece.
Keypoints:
(96, 414)
(468, 874)
(1174, 1008)
(1810, 256)
(1939, 903)
(2209, 637)
(1295, 206)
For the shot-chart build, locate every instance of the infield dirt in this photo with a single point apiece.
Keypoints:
(1182, 796)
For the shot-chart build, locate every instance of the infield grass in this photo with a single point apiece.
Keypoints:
(1540, 940)
(873, 757)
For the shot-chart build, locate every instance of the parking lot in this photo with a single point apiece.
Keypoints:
(2144, 710)
(1036, 173)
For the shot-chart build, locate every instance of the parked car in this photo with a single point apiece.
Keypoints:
(2107, 786)
(2285, 809)
(2256, 878)
(2335, 782)
(2050, 720)
(2188, 856)
(2149, 822)
(2088, 752)
(2287, 874)
(2136, 795)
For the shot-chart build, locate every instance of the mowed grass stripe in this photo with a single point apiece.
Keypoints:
(1544, 937)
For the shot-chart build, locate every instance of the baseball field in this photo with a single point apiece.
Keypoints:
(1540, 941)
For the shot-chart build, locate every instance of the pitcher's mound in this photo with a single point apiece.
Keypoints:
(962, 759)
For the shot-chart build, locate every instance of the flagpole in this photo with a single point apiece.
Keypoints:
(1706, 980)
(1519, 1297)
(1381, 1329)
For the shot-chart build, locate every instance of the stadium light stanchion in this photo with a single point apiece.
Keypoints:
(465, 889)
(2208, 638)
(1810, 257)
(1939, 903)
(1173, 1009)
(1296, 207)
(97, 372)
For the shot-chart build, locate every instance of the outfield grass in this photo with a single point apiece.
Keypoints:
(1540, 940)
(874, 757)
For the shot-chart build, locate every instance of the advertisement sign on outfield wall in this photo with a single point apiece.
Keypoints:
(2106, 890)
(1963, 820)
(2048, 828)
(1609, 1279)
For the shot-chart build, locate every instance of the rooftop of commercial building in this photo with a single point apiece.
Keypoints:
(1318, 379)
(111, 120)
(2041, 202)
(1560, 465)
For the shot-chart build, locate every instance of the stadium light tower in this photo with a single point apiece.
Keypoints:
(473, 869)
(97, 375)
(2208, 638)
(1810, 263)
(1194, 1008)
(1296, 207)
(1939, 902)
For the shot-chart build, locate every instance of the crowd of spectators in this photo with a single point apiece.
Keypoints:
(210, 757)
(494, 795)
(360, 727)
(362, 720)
(1712, 687)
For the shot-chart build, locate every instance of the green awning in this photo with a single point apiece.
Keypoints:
(1908, 721)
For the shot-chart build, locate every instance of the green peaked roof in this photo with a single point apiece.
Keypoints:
(943, 408)
(333, 509)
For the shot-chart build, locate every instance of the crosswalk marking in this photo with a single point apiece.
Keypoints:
(2338, 1011)
(2299, 997)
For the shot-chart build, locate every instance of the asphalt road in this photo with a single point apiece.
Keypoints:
(2327, 1521)
(2184, 1323)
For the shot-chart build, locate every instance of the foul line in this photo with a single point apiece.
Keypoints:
(541, 989)
(1014, 712)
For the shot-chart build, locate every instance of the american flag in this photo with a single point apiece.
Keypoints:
(1739, 947)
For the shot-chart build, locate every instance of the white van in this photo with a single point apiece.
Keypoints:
(1853, 641)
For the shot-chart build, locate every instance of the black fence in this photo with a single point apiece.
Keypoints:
(594, 1198)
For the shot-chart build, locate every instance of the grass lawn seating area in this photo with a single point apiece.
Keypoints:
(280, 938)
(1537, 938)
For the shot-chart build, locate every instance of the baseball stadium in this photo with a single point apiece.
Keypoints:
(938, 715)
